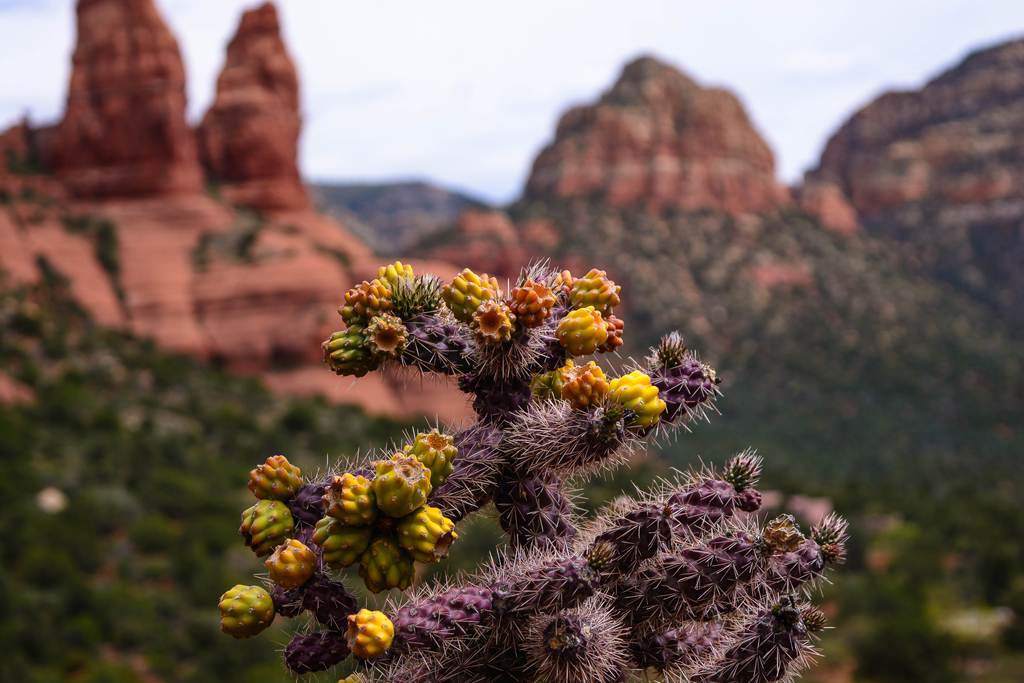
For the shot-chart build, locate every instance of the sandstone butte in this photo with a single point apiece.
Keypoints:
(655, 141)
(248, 140)
(959, 140)
(940, 171)
(659, 140)
(123, 153)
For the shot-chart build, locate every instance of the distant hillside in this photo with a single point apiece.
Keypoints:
(121, 522)
(391, 217)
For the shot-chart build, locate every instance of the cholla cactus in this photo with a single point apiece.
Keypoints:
(684, 582)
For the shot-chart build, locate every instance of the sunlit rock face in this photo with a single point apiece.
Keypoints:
(248, 139)
(124, 132)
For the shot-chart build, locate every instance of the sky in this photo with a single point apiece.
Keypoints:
(464, 92)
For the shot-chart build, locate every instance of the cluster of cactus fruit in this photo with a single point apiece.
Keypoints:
(683, 583)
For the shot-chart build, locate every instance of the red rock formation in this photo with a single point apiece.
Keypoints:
(825, 201)
(940, 171)
(958, 140)
(124, 132)
(248, 139)
(659, 140)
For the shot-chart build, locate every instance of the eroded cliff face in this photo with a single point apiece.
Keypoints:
(124, 132)
(941, 171)
(249, 138)
(659, 140)
(958, 140)
(124, 218)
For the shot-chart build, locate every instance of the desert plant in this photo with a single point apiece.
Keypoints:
(682, 582)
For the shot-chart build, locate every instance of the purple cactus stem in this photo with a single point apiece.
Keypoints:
(684, 388)
(430, 622)
(765, 648)
(535, 510)
(475, 476)
(307, 504)
(315, 651)
(676, 646)
(328, 601)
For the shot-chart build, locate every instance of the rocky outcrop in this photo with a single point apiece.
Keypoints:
(659, 140)
(940, 171)
(124, 132)
(826, 201)
(249, 138)
(958, 140)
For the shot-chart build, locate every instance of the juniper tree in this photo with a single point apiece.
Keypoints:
(682, 582)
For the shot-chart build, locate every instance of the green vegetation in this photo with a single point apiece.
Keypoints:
(103, 234)
(233, 245)
(121, 474)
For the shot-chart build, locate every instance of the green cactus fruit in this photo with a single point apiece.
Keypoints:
(426, 534)
(266, 525)
(348, 352)
(245, 611)
(437, 451)
(350, 499)
(276, 479)
(387, 336)
(595, 289)
(548, 385)
(393, 273)
(402, 484)
(467, 291)
(342, 545)
(385, 565)
(291, 564)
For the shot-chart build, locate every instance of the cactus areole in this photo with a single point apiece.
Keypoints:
(681, 583)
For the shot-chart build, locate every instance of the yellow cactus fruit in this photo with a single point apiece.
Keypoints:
(395, 272)
(276, 479)
(616, 326)
(635, 392)
(369, 633)
(365, 301)
(581, 331)
(585, 386)
(426, 534)
(531, 303)
(342, 545)
(493, 322)
(563, 282)
(384, 565)
(437, 452)
(467, 291)
(349, 498)
(402, 484)
(352, 678)
(291, 564)
(386, 336)
(595, 289)
(245, 611)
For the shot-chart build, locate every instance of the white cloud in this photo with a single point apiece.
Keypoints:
(466, 92)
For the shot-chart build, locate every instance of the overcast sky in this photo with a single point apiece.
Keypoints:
(465, 92)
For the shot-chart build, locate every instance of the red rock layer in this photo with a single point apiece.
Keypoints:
(659, 140)
(248, 139)
(124, 132)
(959, 140)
